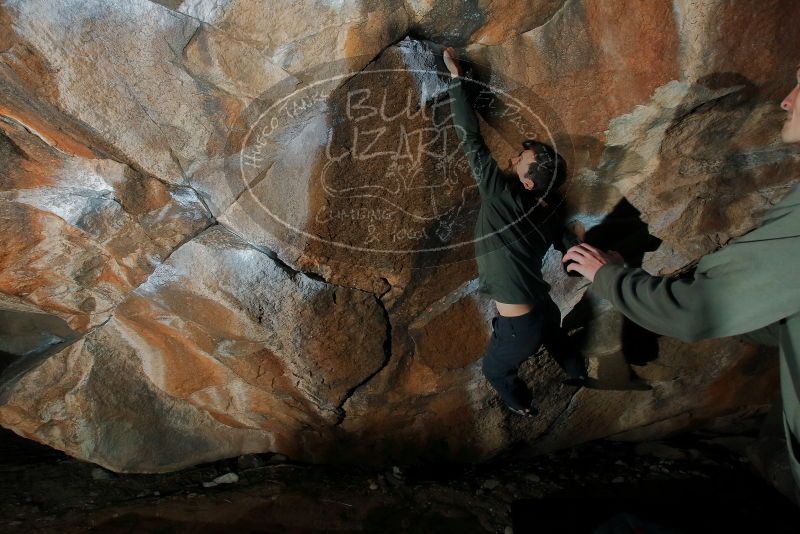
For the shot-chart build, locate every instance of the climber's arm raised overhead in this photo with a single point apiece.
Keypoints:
(484, 167)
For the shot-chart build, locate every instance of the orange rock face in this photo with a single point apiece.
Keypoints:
(244, 226)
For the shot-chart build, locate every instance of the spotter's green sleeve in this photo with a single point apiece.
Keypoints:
(749, 284)
(751, 287)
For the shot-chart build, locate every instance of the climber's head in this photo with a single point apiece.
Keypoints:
(520, 166)
(536, 166)
(791, 104)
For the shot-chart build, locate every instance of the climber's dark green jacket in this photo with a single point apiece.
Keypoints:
(751, 286)
(512, 234)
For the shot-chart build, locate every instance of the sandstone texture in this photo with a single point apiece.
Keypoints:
(245, 226)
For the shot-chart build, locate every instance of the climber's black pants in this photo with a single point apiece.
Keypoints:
(515, 339)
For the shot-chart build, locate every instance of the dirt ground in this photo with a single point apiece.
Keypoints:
(696, 483)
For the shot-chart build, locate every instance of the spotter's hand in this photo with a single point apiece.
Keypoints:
(587, 260)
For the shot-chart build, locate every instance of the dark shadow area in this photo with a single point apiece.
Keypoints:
(16, 453)
(449, 22)
(624, 231)
(6, 359)
(26, 335)
(700, 486)
(724, 504)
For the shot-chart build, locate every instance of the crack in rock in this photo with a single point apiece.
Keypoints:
(387, 356)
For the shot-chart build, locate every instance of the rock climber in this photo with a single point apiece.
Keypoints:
(513, 233)
(749, 288)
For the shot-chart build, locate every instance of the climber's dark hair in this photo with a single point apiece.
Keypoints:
(548, 171)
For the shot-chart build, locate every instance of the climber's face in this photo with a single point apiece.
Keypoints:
(519, 165)
(791, 128)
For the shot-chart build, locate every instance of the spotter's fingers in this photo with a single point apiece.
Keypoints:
(570, 256)
(590, 248)
(576, 253)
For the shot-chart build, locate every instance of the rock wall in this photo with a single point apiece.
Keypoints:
(246, 226)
